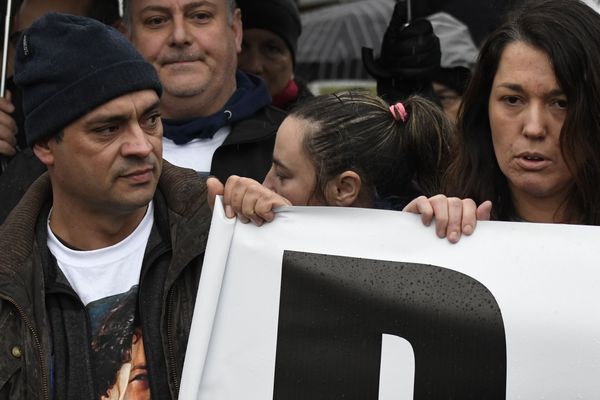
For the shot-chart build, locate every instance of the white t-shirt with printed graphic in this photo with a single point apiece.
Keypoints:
(106, 280)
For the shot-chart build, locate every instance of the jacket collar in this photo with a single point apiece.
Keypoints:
(250, 96)
(189, 215)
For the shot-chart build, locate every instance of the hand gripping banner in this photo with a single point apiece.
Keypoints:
(333, 303)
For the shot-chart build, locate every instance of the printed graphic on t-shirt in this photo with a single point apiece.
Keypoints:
(118, 348)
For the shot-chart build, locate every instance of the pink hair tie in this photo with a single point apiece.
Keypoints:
(399, 112)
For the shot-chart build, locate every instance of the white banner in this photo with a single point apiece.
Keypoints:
(331, 303)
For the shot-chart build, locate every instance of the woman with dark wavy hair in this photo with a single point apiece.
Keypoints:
(529, 125)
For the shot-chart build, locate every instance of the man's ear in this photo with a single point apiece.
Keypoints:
(43, 151)
(237, 28)
(343, 190)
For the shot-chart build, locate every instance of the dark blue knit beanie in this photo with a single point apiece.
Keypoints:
(68, 65)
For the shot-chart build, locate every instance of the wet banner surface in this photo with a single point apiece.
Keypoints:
(332, 303)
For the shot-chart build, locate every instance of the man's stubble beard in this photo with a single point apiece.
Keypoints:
(183, 91)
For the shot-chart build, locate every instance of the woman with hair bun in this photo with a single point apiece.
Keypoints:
(348, 149)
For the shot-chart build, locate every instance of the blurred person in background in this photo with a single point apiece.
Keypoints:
(430, 56)
(410, 55)
(271, 31)
(459, 55)
(8, 125)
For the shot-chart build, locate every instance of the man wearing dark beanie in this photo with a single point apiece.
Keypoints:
(18, 165)
(91, 271)
(271, 31)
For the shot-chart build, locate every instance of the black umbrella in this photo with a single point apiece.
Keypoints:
(333, 37)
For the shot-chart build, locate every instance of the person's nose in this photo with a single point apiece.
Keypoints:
(180, 35)
(250, 61)
(270, 179)
(535, 124)
(136, 143)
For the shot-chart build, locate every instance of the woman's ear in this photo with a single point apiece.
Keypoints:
(343, 190)
(43, 152)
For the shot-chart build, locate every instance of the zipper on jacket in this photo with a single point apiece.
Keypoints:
(38, 345)
(170, 339)
(150, 259)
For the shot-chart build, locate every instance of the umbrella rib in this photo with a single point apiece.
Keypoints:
(332, 39)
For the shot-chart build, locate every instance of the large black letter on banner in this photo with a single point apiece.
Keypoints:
(334, 310)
